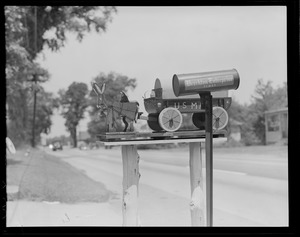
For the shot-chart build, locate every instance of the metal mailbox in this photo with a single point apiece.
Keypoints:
(195, 83)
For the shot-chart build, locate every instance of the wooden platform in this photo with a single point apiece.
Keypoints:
(135, 138)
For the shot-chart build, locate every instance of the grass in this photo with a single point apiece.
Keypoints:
(42, 177)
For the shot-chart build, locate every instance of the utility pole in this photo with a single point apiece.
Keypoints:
(34, 110)
(34, 79)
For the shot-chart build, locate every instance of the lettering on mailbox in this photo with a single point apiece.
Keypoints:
(185, 105)
(217, 81)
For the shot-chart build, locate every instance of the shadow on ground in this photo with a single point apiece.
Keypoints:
(12, 162)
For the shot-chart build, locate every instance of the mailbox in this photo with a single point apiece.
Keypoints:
(195, 83)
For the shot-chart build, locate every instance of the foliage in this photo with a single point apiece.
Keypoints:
(27, 30)
(44, 111)
(115, 83)
(74, 103)
(266, 98)
(63, 139)
(32, 22)
(17, 57)
(20, 119)
(244, 115)
(19, 68)
(252, 116)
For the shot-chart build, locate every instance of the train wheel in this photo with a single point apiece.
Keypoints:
(153, 122)
(220, 118)
(170, 119)
(199, 120)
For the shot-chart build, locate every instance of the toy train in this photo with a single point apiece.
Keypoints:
(165, 110)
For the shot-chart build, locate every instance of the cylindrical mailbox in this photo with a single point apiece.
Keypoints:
(194, 83)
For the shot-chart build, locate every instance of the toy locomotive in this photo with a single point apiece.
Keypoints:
(166, 107)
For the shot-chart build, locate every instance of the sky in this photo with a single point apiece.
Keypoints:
(146, 43)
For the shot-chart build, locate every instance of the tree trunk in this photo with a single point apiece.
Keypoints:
(75, 137)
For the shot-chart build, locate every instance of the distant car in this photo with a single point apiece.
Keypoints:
(93, 145)
(83, 146)
(57, 146)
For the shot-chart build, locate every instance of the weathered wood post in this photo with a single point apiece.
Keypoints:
(131, 175)
(197, 195)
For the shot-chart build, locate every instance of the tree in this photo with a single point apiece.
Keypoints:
(44, 111)
(243, 114)
(32, 22)
(19, 103)
(280, 99)
(74, 103)
(266, 98)
(20, 129)
(17, 56)
(252, 116)
(115, 83)
(27, 30)
(65, 140)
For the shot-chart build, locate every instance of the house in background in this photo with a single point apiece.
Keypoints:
(276, 123)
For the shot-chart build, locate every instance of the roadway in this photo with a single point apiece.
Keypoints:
(250, 184)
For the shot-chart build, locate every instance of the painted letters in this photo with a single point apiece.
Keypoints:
(184, 105)
(194, 105)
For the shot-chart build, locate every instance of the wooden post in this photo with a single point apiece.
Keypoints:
(196, 180)
(131, 177)
(209, 159)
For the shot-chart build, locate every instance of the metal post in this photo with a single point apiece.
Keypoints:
(209, 158)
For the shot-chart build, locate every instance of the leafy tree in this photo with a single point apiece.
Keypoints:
(27, 30)
(19, 106)
(243, 114)
(44, 110)
(74, 103)
(280, 99)
(65, 140)
(21, 129)
(252, 116)
(32, 22)
(263, 100)
(115, 83)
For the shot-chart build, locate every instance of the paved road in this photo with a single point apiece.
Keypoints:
(250, 186)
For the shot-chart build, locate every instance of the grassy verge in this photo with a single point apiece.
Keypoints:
(42, 177)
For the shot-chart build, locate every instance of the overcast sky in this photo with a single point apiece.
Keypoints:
(156, 42)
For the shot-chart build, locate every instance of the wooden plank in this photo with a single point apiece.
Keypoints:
(127, 135)
(103, 139)
(197, 204)
(131, 177)
(145, 142)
